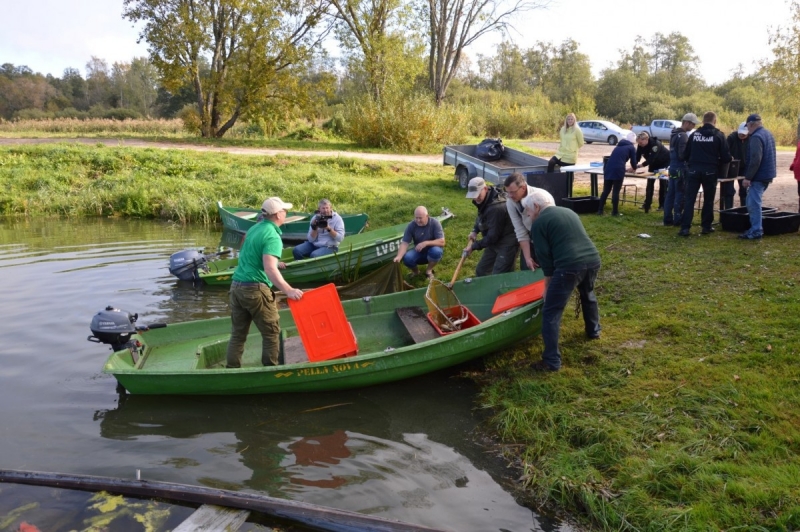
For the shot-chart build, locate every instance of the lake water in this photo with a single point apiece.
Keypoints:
(405, 451)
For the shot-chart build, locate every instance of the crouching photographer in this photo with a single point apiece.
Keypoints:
(325, 233)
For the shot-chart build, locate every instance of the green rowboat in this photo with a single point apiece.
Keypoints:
(357, 254)
(395, 341)
(240, 219)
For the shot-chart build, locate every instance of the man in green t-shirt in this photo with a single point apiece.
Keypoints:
(251, 297)
(569, 260)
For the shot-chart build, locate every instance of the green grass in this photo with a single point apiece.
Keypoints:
(684, 416)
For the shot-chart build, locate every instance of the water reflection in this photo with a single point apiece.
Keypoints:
(377, 451)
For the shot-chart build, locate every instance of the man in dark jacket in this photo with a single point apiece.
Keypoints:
(706, 149)
(737, 144)
(499, 240)
(656, 157)
(673, 205)
(762, 168)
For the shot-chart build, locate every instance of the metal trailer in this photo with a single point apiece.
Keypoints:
(468, 166)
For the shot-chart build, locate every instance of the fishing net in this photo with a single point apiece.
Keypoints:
(444, 308)
(386, 280)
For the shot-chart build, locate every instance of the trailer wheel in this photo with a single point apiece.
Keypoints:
(462, 175)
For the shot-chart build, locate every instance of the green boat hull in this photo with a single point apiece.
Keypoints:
(189, 358)
(240, 219)
(358, 254)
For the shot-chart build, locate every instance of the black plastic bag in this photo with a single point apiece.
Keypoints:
(490, 150)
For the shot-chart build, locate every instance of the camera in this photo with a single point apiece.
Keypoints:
(320, 221)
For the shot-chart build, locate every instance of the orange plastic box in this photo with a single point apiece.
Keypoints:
(323, 325)
(453, 312)
(521, 296)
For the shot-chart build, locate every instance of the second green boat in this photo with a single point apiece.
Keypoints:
(358, 254)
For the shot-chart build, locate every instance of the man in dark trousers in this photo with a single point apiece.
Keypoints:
(569, 260)
(656, 157)
(737, 144)
(499, 242)
(705, 151)
(673, 209)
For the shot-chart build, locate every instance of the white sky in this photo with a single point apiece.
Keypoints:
(51, 35)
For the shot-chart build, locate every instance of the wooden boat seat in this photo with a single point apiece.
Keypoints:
(417, 324)
(295, 218)
(247, 215)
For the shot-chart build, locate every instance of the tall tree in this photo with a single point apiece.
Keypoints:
(135, 85)
(21, 89)
(250, 46)
(569, 76)
(506, 69)
(380, 43)
(98, 82)
(674, 66)
(783, 73)
(455, 24)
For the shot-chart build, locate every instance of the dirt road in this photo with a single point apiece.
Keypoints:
(782, 193)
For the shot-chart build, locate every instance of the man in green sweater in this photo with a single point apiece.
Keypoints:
(569, 260)
(252, 297)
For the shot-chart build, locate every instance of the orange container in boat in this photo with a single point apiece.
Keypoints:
(322, 324)
(455, 312)
(521, 296)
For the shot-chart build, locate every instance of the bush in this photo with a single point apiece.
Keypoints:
(191, 119)
(406, 123)
(503, 114)
(307, 133)
(336, 124)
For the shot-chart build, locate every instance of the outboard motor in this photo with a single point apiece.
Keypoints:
(185, 265)
(114, 327)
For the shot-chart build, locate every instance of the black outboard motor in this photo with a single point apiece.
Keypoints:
(185, 265)
(114, 327)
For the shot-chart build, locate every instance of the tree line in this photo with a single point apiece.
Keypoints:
(403, 70)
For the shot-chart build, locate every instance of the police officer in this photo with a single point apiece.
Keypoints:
(706, 149)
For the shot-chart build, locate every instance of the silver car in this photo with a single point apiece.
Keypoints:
(602, 131)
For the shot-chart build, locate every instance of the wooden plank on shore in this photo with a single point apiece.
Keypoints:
(212, 518)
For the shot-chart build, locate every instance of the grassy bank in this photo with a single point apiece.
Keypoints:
(684, 416)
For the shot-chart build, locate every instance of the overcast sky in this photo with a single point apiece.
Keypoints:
(51, 35)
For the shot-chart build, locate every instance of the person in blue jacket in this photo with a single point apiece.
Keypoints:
(614, 172)
(761, 170)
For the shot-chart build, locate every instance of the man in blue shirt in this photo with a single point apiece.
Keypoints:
(761, 170)
(427, 236)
